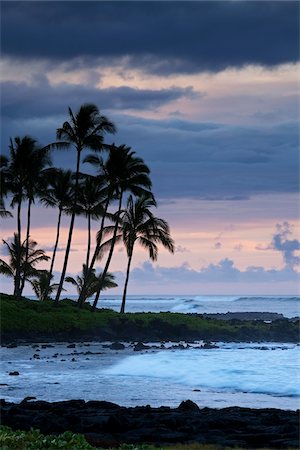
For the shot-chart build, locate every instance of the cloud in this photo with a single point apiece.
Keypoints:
(181, 249)
(160, 37)
(203, 161)
(218, 245)
(286, 246)
(281, 243)
(50, 248)
(238, 247)
(216, 161)
(222, 272)
(23, 100)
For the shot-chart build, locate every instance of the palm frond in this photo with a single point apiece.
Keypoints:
(71, 280)
(5, 269)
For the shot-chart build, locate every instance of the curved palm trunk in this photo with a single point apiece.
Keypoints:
(111, 250)
(68, 248)
(89, 271)
(122, 310)
(27, 245)
(18, 258)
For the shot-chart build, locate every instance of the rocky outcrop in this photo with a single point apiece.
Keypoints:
(107, 424)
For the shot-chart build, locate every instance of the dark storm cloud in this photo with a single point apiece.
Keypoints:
(23, 100)
(161, 37)
(216, 161)
(187, 159)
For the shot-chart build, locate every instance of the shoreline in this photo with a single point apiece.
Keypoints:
(154, 373)
(108, 424)
(30, 321)
(132, 328)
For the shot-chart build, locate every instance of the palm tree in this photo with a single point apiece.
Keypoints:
(41, 286)
(91, 282)
(39, 161)
(23, 175)
(139, 225)
(91, 201)
(85, 130)
(124, 172)
(18, 264)
(59, 193)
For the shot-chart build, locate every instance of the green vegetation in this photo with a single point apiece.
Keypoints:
(18, 316)
(27, 319)
(34, 440)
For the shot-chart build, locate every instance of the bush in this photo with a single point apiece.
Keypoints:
(34, 440)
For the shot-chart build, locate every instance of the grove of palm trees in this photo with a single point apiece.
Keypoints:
(117, 198)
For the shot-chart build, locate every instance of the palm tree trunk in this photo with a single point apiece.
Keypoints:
(89, 271)
(18, 259)
(122, 310)
(89, 242)
(68, 248)
(27, 244)
(55, 245)
(111, 250)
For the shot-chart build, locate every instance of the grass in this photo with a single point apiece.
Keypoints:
(45, 317)
(26, 317)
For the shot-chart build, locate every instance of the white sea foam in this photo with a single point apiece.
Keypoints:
(229, 369)
(233, 375)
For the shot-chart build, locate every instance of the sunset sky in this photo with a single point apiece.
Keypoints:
(207, 93)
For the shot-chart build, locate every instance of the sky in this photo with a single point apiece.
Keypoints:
(207, 93)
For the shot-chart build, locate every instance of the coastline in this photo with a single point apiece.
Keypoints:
(107, 424)
(27, 321)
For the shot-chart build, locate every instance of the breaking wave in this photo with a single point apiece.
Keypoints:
(226, 370)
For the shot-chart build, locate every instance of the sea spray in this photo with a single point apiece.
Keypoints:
(254, 369)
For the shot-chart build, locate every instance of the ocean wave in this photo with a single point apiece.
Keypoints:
(268, 299)
(186, 307)
(228, 370)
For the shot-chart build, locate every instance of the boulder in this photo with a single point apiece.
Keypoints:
(140, 346)
(209, 345)
(188, 405)
(117, 346)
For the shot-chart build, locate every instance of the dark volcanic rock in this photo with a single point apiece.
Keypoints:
(244, 316)
(209, 345)
(12, 345)
(188, 405)
(117, 346)
(27, 399)
(140, 346)
(107, 424)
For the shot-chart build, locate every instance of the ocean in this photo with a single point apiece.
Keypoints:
(257, 375)
(289, 306)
